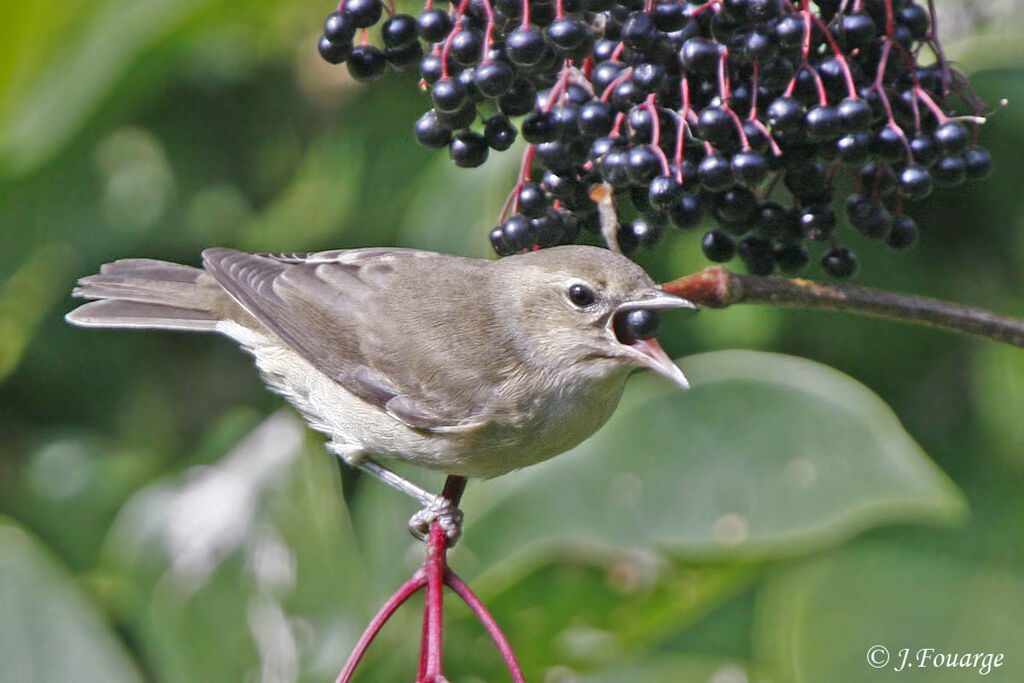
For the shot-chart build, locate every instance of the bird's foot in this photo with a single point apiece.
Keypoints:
(442, 511)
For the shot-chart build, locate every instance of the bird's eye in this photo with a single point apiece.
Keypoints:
(581, 296)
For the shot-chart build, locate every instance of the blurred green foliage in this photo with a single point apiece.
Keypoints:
(158, 525)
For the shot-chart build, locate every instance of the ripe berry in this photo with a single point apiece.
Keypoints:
(636, 324)
(686, 212)
(366, 63)
(533, 200)
(643, 164)
(715, 172)
(718, 246)
(525, 47)
(854, 148)
(949, 171)
(774, 221)
(888, 144)
(468, 149)
(399, 31)
(699, 56)
(855, 114)
(595, 118)
(499, 132)
(915, 182)
(364, 13)
(647, 232)
(430, 133)
(952, 137)
(714, 125)
(493, 79)
(339, 27)
(334, 53)
(538, 127)
(839, 262)
(757, 255)
(518, 100)
(785, 116)
(404, 58)
(978, 162)
(568, 33)
(434, 25)
(663, 192)
(817, 222)
(749, 168)
(868, 217)
(517, 232)
(823, 123)
(448, 95)
(792, 258)
(903, 234)
(736, 205)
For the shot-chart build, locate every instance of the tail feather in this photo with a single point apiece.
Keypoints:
(145, 293)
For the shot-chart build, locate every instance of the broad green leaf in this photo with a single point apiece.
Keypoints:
(817, 621)
(766, 456)
(49, 630)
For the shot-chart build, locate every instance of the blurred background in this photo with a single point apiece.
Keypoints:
(162, 517)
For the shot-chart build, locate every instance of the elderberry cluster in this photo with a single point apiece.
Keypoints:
(644, 114)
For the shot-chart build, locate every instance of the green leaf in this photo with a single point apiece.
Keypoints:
(49, 630)
(817, 621)
(767, 456)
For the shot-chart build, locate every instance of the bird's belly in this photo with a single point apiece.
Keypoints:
(553, 423)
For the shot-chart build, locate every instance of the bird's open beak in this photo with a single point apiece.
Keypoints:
(649, 351)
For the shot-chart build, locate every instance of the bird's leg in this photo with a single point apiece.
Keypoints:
(435, 507)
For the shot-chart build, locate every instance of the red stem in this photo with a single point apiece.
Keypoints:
(500, 641)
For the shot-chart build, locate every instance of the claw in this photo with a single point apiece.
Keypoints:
(441, 511)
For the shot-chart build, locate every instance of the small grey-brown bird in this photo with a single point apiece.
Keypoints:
(468, 366)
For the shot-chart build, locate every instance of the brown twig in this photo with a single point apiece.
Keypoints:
(717, 287)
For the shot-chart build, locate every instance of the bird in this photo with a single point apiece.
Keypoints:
(474, 367)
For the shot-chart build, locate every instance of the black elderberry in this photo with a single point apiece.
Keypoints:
(817, 222)
(715, 126)
(641, 323)
(700, 56)
(339, 27)
(648, 233)
(603, 145)
(877, 179)
(465, 47)
(448, 95)
(663, 192)
(458, 119)
(533, 200)
(839, 262)
(614, 166)
(434, 25)
(715, 172)
(669, 16)
(952, 137)
(639, 32)
(364, 13)
(334, 53)
(525, 47)
(823, 123)
(404, 58)
(854, 148)
(493, 79)
(856, 30)
(868, 217)
(686, 212)
(649, 76)
(595, 118)
(565, 121)
(499, 244)
(366, 63)
(499, 132)
(808, 182)
(737, 205)
(643, 164)
(625, 95)
(889, 144)
(568, 33)
(785, 116)
(430, 133)
(718, 246)
(517, 232)
(431, 69)
(790, 31)
(757, 255)
(468, 149)
(915, 182)
(903, 234)
(916, 19)
(538, 127)
(791, 258)
(949, 171)
(749, 168)
(775, 221)
(855, 114)
(518, 100)
(924, 150)
(978, 162)
(399, 31)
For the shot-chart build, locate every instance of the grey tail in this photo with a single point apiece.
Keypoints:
(148, 294)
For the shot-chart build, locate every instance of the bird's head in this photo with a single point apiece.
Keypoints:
(586, 305)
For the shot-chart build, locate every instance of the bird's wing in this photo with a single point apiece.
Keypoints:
(333, 309)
